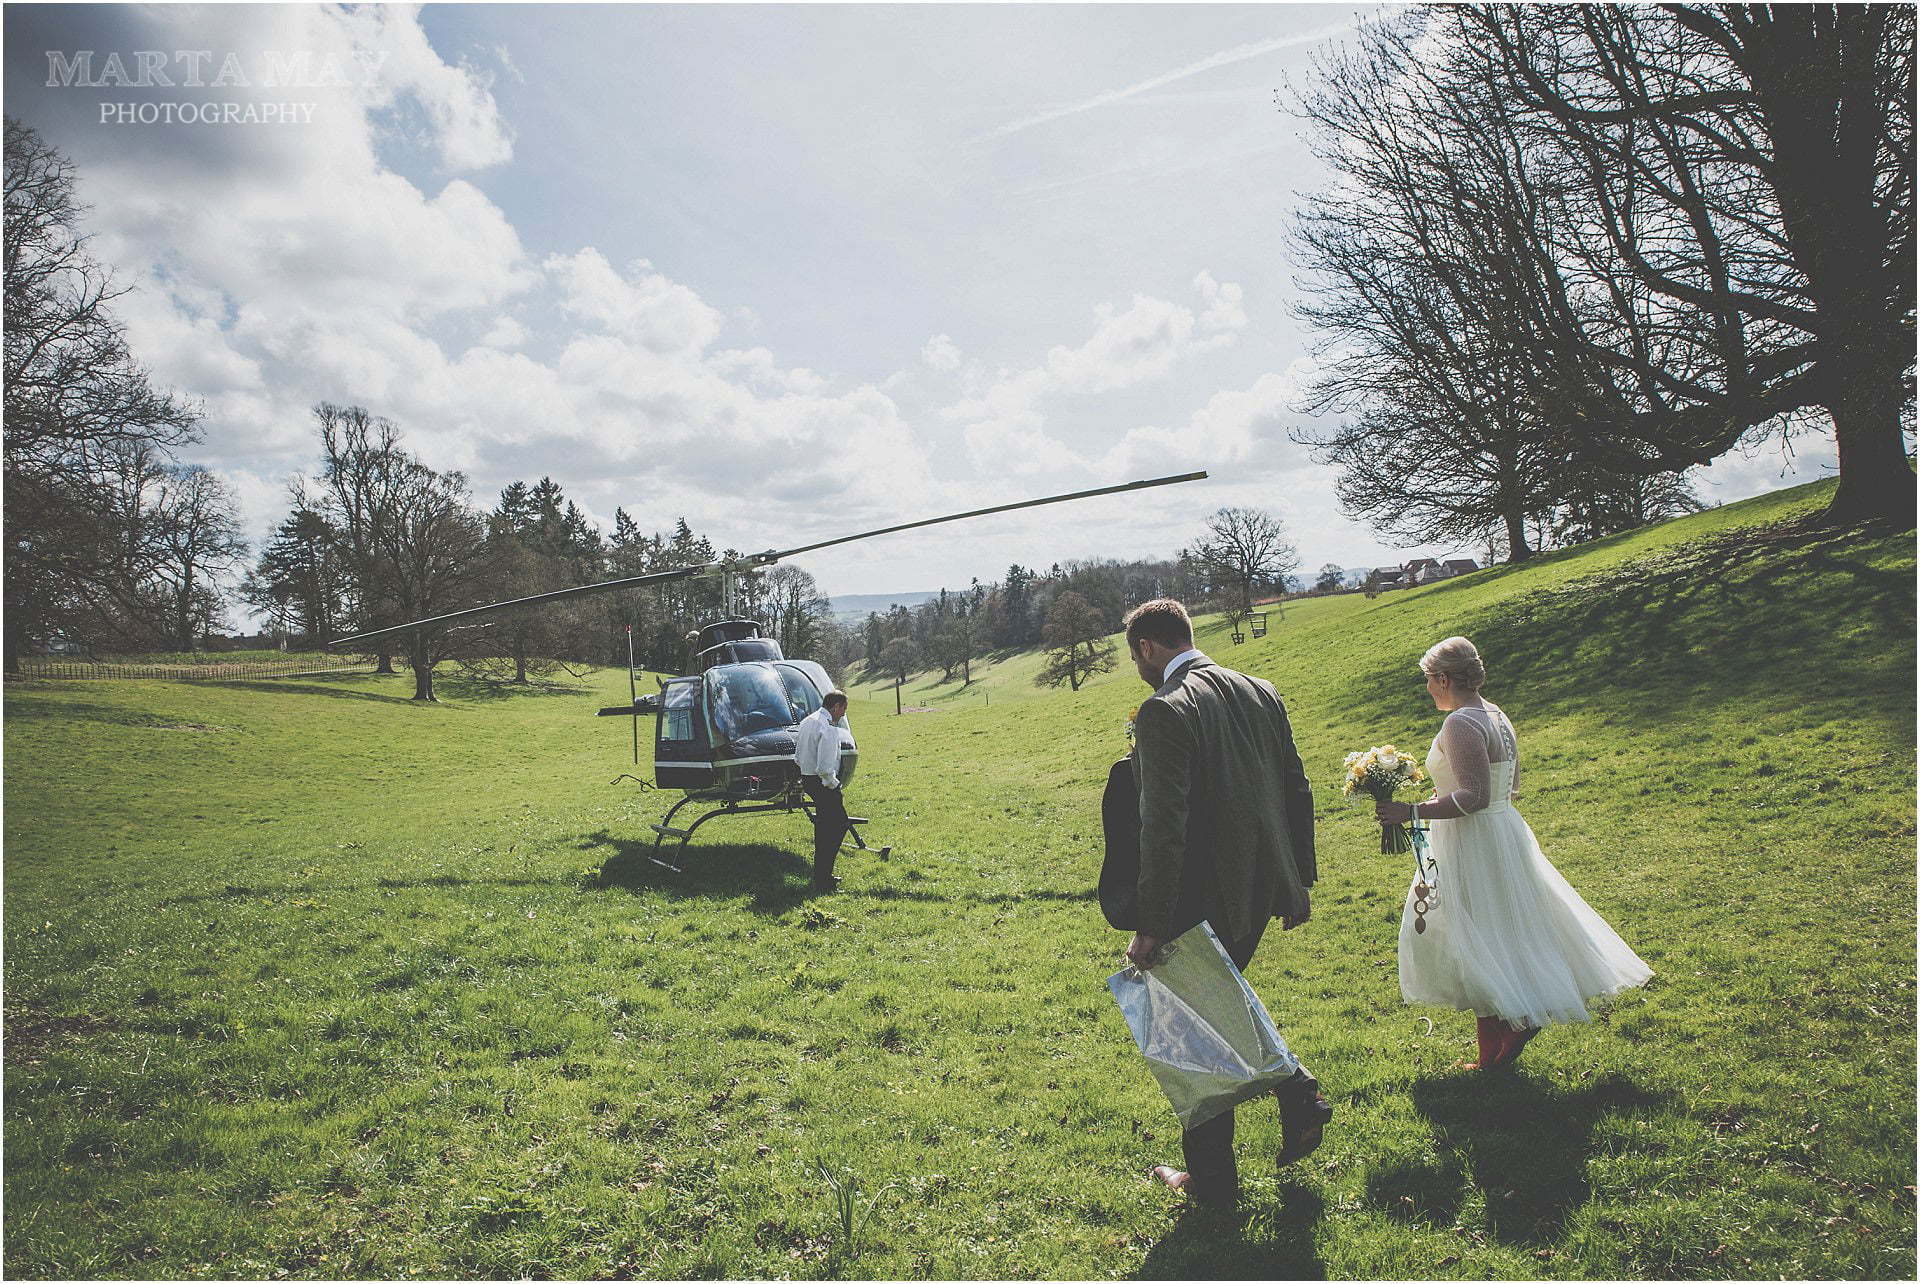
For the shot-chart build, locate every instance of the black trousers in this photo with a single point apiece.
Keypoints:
(1208, 1149)
(829, 825)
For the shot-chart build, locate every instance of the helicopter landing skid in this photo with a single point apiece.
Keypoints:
(789, 803)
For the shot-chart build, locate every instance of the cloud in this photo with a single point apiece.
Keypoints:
(1244, 427)
(1005, 425)
(644, 306)
(941, 353)
(505, 332)
(308, 269)
(464, 122)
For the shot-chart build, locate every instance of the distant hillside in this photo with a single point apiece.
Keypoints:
(854, 607)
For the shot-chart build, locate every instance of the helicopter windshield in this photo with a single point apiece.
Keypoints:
(801, 692)
(746, 699)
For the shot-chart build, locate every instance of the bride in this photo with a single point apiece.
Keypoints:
(1507, 936)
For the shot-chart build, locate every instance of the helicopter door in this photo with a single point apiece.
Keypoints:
(682, 756)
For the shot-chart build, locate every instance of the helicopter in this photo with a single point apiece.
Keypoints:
(724, 733)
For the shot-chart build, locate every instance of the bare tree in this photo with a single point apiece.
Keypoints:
(77, 408)
(197, 549)
(1077, 645)
(1438, 298)
(363, 474)
(798, 614)
(436, 558)
(1751, 168)
(1246, 548)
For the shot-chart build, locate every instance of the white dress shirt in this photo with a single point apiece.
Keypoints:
(817, 746)
(1178, 662)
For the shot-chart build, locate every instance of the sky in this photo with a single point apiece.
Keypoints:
(786, 272)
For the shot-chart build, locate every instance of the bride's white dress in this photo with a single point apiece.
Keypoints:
(1508, 936)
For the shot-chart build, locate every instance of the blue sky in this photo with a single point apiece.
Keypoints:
(786, 271)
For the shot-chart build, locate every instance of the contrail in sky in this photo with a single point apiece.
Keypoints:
(1226, 57)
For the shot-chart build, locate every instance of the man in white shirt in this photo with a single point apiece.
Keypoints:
(816, 749)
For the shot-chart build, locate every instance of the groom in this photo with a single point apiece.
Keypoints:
(1226, 835)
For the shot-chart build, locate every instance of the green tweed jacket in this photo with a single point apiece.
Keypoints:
(1226, 813)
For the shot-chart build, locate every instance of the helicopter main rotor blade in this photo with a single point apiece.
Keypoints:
(982, 512)
(578, 590)
(748, 561)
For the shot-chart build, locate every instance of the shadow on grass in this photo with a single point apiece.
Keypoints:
(324, 685)
(761, 871)
(458, 686)
(1523, 1143)
(1742, 615)
(1246, 1245)
(451, 686)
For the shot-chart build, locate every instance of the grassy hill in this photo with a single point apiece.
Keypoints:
(304, 978)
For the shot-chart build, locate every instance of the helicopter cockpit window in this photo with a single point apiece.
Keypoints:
(821, 682)
(677, 710)
(746, 699)
(801, 693)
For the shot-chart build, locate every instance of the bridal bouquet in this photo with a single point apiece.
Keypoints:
(1379, 773)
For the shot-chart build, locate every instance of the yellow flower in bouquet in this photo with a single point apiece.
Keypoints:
(1380, 772)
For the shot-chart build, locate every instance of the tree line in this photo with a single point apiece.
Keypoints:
(1241, 555)
(378, 538)
(1572, 251)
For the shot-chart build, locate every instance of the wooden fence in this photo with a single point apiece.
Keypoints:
(293, 666)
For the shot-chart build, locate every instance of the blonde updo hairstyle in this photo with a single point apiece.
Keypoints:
(1457, 660)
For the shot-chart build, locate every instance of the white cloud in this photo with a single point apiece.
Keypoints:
(662, 315)
(1240, 427)
(1005, 426)
(505, 332)
(941, 353)
(465, 123)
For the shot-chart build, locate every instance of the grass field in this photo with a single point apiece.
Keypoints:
(305, 979)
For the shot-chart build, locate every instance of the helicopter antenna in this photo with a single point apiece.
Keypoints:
(634, 691)
(751, 560)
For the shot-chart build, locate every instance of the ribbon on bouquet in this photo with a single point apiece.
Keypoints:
(1426, 876)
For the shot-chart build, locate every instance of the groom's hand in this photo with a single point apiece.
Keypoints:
(1142, 949)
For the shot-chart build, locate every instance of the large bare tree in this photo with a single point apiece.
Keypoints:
(1751, 169)
(1451, 329)
(435, 558)
(363, 474)
(198, 550)
(80, 411)
(1246, 549)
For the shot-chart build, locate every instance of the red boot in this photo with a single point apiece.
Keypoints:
(1516, 1040)
(1492, 1032)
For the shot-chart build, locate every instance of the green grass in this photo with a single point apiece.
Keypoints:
(302, 977)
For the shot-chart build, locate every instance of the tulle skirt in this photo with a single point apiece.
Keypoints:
(1509, 937)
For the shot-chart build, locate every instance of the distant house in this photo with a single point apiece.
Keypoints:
(1386, 577)
(1425, 570)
